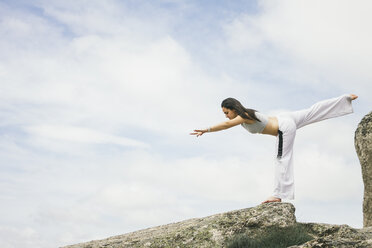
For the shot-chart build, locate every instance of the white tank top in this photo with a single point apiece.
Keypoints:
(257, 126)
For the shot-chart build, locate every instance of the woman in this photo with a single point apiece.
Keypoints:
(284, 127)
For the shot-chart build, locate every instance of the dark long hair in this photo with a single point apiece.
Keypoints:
(245, 113)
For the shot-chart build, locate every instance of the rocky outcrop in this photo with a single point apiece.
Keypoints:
(327, 236)
(215, 231)
(212, 231)
(363, 146)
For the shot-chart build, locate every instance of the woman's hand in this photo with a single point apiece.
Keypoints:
(199, 132)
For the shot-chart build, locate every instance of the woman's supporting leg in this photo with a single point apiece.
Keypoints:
(284, 179)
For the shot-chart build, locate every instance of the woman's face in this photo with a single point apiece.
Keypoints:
(229, 113)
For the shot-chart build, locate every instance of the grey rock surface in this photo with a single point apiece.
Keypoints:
(340, 236)
(363, 146)
(212, 231)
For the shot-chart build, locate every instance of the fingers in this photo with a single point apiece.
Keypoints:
(197, 133)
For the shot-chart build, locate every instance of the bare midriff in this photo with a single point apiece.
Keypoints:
(272, 127)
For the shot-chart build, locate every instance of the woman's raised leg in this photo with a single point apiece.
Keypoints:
(323, 110)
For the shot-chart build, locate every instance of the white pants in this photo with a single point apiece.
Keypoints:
(288, 124)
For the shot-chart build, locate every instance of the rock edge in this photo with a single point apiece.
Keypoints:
(214, 231)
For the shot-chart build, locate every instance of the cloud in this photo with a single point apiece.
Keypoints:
(124, 80)
(320, 41)
(18, 237)
(322, 177)
(81, 135)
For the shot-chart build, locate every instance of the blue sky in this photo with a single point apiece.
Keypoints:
(98, 99)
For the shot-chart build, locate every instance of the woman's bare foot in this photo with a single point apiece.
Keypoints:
(272, 199)
(353, 97)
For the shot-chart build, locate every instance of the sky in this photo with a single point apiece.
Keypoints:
(97, 100)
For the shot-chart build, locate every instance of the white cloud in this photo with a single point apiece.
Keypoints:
(244, 34)
(323, 177)
(81, 135)
(18, 237)
(323, 41)
(122, 80)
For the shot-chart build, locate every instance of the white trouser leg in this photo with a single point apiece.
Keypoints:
(323, 110)
(288, 124)
(284, 179)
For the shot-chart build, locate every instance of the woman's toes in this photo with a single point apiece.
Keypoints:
(353, 97)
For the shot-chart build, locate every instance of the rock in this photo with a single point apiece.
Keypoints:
(327, 236)
(363, 146)
(212, 231)
(215, 231)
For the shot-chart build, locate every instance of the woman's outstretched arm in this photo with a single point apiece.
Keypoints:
(221, 126)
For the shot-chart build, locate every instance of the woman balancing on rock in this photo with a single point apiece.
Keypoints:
(284, 127)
